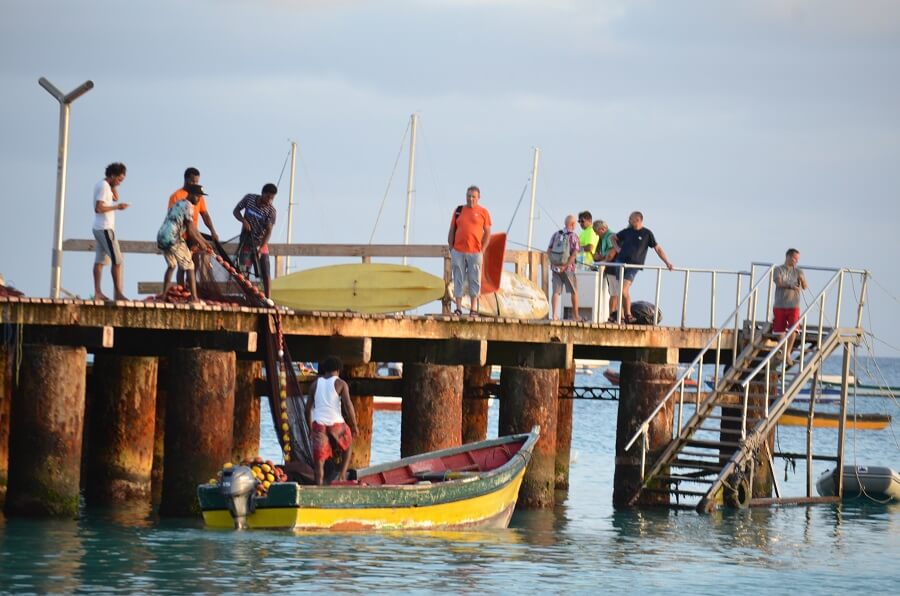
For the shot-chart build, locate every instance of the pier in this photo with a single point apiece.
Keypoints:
(173, 390)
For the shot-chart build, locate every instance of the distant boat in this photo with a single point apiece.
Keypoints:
(798, 417)
(876, 482)
(472, 486)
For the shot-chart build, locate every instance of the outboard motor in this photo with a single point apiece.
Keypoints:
(239, 487)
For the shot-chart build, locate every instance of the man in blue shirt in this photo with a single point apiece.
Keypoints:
(631, 244)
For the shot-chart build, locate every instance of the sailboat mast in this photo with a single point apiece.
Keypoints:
(534, 175)
(413, 119)
(287, 261)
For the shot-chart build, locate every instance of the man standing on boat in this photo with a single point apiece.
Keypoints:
(323, 414)
(631, 244)
(192, 176)
(470, 229)
(258, 219)
(563, 250)
(106, 197)
(789, 282)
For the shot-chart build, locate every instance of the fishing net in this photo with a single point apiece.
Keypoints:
(219, 280)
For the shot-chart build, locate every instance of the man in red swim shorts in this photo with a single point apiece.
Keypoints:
(323, 413)
(789, 282)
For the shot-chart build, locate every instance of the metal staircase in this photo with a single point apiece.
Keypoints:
(720, 437)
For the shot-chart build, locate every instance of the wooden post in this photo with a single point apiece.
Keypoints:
(6, 390)
(528, 397)
(641, 387)
(159, 431)
(363, 405)
(245, 444)
(199, 425)
(121, 424)
(431, 416)
(46, 429)
(564, 426)
(475, 403)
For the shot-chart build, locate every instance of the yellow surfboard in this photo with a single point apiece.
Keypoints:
(517, 298)
(360, 287)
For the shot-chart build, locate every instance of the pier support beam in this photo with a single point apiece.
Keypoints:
(46, 429)
(475, 403)
(6, 389)
(529, 396)
(199, 425)
(564, 426)
(641, 388)
(245, 444)
(431, 415)
(121, 423)
(363, 406)
(159, 431)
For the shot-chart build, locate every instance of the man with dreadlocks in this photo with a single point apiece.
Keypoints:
(257, 216)
(328, 430)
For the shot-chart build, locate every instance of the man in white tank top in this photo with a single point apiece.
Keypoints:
(328, 430)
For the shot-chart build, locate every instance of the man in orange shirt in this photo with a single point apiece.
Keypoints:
(470, 229)
(191, 177)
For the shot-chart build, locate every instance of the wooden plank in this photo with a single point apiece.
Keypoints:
(153, 342)
(448, 351)
(351, 350)
(530, 355)
(70, 335)
(154, 288)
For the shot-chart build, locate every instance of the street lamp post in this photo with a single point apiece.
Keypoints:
(64, 102)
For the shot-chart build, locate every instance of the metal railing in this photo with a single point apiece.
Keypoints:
(618, 270)
(751, 301)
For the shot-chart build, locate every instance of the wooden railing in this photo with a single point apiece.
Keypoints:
(534, 264)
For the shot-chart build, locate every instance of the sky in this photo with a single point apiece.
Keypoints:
(738, 128)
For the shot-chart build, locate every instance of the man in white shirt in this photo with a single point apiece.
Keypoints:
(106, 203)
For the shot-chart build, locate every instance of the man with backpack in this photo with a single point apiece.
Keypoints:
(563, 250)
(470, 229)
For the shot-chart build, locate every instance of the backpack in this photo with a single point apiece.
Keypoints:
(559, 248)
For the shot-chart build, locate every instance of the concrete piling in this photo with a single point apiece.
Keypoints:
(159, 431)
(529, 397)
(431, 416)
(363, 406)
(199, 425)
(641, 388)
(564, 427)
(46, 430)
(245, 444)
(6, 389)
(122, 417)
(475, 403)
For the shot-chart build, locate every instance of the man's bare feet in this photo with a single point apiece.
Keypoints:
(101, 296)
(120, 297)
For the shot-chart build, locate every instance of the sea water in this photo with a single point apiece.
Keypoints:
(582, 545)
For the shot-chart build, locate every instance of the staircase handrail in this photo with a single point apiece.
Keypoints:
(645, 425)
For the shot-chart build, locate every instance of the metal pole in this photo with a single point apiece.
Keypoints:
(64, 102)
(534, 175)
(842, 423)
(413, 119)
(290, 225)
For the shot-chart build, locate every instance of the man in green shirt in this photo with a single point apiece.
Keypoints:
(587, 238)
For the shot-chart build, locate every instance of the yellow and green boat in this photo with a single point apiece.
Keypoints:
(472, 486)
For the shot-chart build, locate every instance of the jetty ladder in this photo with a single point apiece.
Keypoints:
(720, 437)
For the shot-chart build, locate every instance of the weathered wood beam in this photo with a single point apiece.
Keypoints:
(155, 287)
(530, 355)
(70, 335)
(388, 386)
(152, 342)
(351, 350)
(445, 352)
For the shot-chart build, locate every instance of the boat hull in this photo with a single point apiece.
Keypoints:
(796, 417)
(876, 482)
(476, 500)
